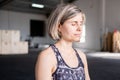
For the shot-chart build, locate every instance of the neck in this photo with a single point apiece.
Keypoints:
(64, 44)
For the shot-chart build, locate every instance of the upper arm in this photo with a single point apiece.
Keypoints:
(43, 68)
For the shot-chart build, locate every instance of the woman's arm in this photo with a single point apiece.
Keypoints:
(43, 68)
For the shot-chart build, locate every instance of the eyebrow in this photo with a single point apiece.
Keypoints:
(73, 21)
(76, 21)
(81, 22)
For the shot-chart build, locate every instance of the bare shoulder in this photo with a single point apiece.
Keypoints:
(45, 64)
(81, 54)
(46, 54)
(46, 60)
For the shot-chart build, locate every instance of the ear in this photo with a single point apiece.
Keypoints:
(59, 27)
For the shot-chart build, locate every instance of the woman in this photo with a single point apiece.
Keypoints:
(61, 61)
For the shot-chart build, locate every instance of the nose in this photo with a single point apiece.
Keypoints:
(79, 28)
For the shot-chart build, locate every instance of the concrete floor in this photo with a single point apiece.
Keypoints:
(104, 66)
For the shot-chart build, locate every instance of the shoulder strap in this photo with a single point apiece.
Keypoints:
(80, 60)
(54, 49)
(57, 54)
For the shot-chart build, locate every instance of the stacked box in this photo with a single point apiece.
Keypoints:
(15, 35)
(23, 47)
(15, 47)
(5, 47)
(10, 35)
(109, 41)
(0, 41)
(5, 36)
(19, 47)
(10, 42)
(0, 48)
(116, 41)
(0, 35)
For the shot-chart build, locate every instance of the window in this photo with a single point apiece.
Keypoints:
(82, 40)
(37, 28)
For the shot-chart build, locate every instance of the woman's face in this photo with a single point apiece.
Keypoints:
(72, 28)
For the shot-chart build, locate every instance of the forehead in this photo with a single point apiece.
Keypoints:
(78, 17)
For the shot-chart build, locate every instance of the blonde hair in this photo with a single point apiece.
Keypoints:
(62, 13)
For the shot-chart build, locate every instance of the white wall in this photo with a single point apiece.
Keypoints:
(99, 15)
(91, 9)
(112, 15)
(20, 21)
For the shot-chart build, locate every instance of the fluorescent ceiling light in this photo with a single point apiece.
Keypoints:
(37, 5)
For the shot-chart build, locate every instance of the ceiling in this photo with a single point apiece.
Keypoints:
(25, 5)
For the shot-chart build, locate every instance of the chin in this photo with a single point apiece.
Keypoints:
(77, 40)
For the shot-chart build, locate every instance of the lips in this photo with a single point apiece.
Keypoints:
(78, 35)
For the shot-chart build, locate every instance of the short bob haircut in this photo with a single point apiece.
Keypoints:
(62, 13)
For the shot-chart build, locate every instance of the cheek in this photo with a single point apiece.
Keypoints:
(67, 29)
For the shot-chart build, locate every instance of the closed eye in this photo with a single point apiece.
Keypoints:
(73, 24)
(76, 23)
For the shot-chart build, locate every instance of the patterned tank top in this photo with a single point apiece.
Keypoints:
(64, 72)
